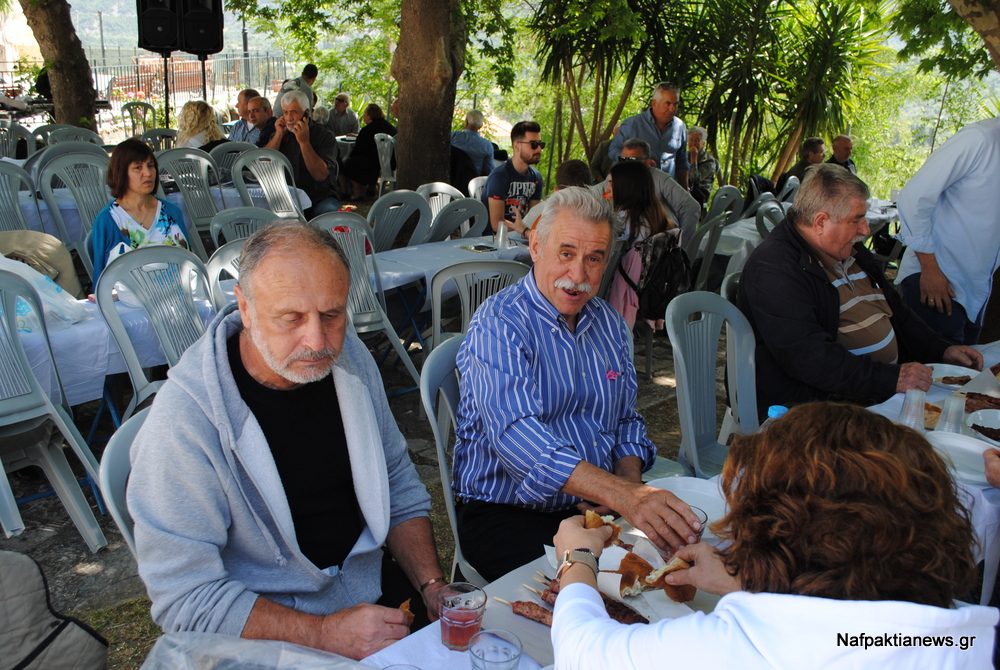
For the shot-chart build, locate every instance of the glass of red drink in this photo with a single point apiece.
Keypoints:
(462, 609)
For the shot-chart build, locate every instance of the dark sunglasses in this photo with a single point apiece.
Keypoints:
(535, 144)
(340, 100)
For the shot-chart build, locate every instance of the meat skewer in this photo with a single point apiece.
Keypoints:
(617, 610)
(529, 610)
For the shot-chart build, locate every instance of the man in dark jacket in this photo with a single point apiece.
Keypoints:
(827, 322)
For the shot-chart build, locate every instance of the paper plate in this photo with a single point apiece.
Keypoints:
(964, 454)
(940, 370)
(698, 492)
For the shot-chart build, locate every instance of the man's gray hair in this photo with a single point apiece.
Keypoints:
(296, 96)
(475, 119)
(583, 204)
(697, 130)
(827, 187)
(265, 104)
(638, 143)
(281, 236)
(666, 86)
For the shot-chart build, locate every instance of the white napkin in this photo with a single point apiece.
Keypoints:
(424, 649)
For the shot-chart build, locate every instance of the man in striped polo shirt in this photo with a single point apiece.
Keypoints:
(827, 322)
(547, 425)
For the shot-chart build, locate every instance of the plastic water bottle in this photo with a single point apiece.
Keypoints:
(774, 412)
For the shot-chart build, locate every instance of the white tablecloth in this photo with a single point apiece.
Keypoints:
(399, 267)
(225, 199)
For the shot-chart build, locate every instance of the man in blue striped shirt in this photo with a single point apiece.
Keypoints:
(547, 425)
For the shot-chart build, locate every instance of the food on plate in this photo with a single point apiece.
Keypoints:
(634, 569)
(977, 401)
(995, 369)
(594, 520)
(931, 415)
(677, 593)
(616, 609)
(992, 433)
(529, 610)
(405, 608)
(954, 381)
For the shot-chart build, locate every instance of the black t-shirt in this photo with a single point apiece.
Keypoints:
(325, 145)
(305, 431)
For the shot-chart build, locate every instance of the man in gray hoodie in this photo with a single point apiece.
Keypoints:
(262, 490)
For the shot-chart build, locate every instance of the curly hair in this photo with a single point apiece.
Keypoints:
(833, 501)
(196, 116)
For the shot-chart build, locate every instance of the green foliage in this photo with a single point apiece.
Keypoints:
(941, 39)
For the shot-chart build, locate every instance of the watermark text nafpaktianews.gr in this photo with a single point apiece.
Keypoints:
(900, 640)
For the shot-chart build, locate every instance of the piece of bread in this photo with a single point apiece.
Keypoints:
(405, 608)
(634, 569)
(680, 594)
(931, 415)
(655, 578)
(594, 520)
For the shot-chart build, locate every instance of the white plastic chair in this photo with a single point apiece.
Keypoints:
(83, 174)
(391, 211)
(475, 281)
(440, 380)
(239, 223)
(225, 155)
(789, 190)
(365, 303)
(193, 170)
(438, 194)
(768, 215)
(274, 174)
(161, 279)
(138, 117)
(10, 135)
(752, 209)
(12, 178)
(115, 469)
(74, 135)
(728, 290)
(386, 145)
(723, 198)
(456, 215)
(160, 139)
(41, 133)
(694, 324)
(476, 186)
(32, 427)
(712, 229)
(33, 166)
(226, 257)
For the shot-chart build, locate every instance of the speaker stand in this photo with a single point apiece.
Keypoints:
(166, 90)
(204, 84)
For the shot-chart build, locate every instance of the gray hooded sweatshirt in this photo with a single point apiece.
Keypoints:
(212, 524)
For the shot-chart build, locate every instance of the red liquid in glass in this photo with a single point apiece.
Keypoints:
(458, 626)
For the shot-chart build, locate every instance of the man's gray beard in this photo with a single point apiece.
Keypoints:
(282, 369)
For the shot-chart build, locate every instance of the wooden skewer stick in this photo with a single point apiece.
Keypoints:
(501, 600)
(531, 589)
(541, 581)
(543, 576)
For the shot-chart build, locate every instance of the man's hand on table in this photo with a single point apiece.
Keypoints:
(913, 376)
(432, 599)
(707, 571)
(665, 519)
(992, 459)
(362, 630)
(967, 357)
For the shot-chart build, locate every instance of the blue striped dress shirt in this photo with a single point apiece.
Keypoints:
(537, 398)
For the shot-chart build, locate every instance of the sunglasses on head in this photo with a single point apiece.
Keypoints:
(633, 158)
(535, 144)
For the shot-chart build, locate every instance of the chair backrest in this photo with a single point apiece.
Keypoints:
(612, 269)
(366, 304)
(37, 161)
(386, 145)
(226, 257)
(116, 465)
(694, 324)
(273, 173)
(192, 170)
(752, 209)
(12, 178)
(10, 135)
(712, 230)
(455, 215)
(439, 379)
(225, 155)
(475, 281)
(41, 133)
(138, 117)
(721, 201)
(789, 190)
(74, 135)
(239, 223)
(730, 286)
(768, 215)
(438, 194)
(476, 186)
(391, 211)
(160, 139)
(160, 278)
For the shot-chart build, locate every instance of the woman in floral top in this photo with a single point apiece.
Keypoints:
(136, 217)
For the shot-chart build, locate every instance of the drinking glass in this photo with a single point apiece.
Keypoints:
(495, 649)
(462, 609)
(913, 410)
(952, 415)
(702, 517)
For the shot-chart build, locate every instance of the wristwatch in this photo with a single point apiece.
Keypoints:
(585, 556)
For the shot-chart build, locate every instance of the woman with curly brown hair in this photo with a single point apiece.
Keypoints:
(844, 546)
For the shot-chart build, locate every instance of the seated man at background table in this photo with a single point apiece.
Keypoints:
(703, 165)
(312, 151)
(547, 424)
(244, 126)
(270, 471)
(343, 120)
(827, 322)
(811, 152)
(262, 119)
(478, 148)
(516, 185)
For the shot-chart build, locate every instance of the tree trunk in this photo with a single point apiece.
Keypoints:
(427, 64)
(69, 72)
(984, 17)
